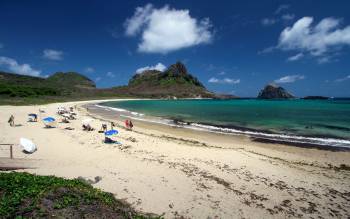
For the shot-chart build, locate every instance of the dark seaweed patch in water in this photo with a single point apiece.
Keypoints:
(299, 144)
(341, 128)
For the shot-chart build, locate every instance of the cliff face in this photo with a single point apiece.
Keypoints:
(272, 91)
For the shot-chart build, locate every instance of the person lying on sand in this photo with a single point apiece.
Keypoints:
(65, 120)
(87, 128)
(108, 140)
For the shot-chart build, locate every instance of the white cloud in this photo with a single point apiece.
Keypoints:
(224, 81)
(281, 8)
(97, 79)
(159, 67)
(295, 57)
(110, 74)
(89, 70)
(288, 17)
(53, 54)
(140, 18)
(222, 73)
(343, 79)
(12, 65)
(267, 50)
(317, 40)
(165, 30)
(289, 79)
(268, 21)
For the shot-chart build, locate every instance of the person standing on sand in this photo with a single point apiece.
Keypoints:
(130, 125)
(127, 124)
(112, 125)
(12, 121)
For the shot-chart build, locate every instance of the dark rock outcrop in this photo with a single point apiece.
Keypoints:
(273, 91)
(315, 98)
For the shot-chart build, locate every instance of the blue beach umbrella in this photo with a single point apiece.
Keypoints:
(32, 114)
(111, 132)
(49, 119)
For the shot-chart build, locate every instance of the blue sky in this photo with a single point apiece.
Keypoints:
(233, 47)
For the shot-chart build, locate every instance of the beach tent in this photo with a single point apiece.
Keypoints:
(27, 145)
(108, 135)
(111, 132)
(49, 121)
(32, 117)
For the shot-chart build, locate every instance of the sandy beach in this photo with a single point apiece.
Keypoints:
(177, 172)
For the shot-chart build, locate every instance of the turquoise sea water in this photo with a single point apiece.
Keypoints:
(311, 119)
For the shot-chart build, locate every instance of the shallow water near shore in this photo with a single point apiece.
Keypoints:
(324, 122)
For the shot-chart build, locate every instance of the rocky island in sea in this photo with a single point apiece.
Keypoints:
(273, 91)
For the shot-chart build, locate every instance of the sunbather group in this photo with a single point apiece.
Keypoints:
(70, 115)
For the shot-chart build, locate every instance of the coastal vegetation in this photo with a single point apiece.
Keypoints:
(23, 195)
(173, 82)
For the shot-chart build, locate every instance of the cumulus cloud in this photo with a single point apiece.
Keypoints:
(15, 67)
(288, 17)
(165, 30)
(268, 21)
(89, 70)
(97, 79)
(295, 57)
(52, 54)
(281, 8)
(317, 40)
(343, 79)
(224, 81)
(110, 74)
(159, 67)
(289, 79)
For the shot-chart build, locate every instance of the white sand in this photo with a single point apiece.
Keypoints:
(164, 172)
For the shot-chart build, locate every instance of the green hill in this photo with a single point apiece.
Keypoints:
(173, 82)
(63, 86)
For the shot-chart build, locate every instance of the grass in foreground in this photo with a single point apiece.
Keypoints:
(23, 195)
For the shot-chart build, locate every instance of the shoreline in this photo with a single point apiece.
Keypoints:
(178, 172)
(315, 141)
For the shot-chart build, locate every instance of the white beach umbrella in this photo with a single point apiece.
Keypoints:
(27, 145)
(87, 121)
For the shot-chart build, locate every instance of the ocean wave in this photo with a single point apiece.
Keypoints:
(333, 142)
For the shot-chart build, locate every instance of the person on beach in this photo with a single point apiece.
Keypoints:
(130, 125)
(127, 124)
(112, 125)
(12, 121)
(104, 127)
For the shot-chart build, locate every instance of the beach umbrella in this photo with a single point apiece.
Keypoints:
(32, 114)
(111, 132)
(27, 145)
(86, 121)
(49, 119)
